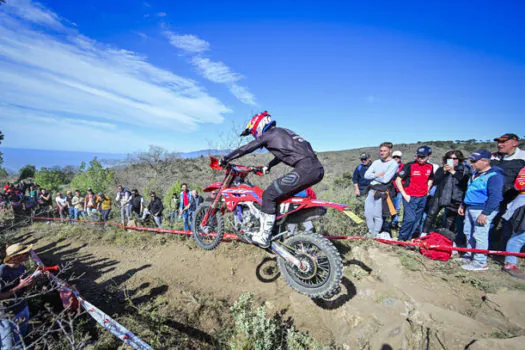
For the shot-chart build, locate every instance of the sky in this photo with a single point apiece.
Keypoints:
(117, 76)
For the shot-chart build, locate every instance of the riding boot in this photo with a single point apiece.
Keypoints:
(261, 238)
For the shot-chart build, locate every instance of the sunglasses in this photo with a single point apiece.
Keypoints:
(452, 158)
(398, 157)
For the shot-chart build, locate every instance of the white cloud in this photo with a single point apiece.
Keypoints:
(188, 43)
(33, 12)
(214, 71)
(242, 94)
(71, 77)
(161, 14)
(217, 72)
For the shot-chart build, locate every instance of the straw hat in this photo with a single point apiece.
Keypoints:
(15, 250)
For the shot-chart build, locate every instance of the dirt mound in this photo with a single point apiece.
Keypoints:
(390, 298)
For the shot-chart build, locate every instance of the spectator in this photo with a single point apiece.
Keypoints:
(15, 316)
(185, 199)
(173, 207)
(515, 215)
(104, 206)
(71, 209)
(137, 203)
(63, 209)
(451, 182)
(380, 174)
(154, 209)
(414, 183)
(33, 192)
(358, 178)
(480, 206)
(511, 159)
(397, 156)
(197, 200)
(78, 205)
(7, 187)
(90, 205)
(212, 196)
(124, 198)
(45, 203)
(308, 226)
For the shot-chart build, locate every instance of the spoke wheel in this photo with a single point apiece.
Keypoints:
(321, 267)
(207, 237)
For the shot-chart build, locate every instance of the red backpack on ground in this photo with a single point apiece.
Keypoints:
(435, 238)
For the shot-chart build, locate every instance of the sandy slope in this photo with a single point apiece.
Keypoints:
(383, 305)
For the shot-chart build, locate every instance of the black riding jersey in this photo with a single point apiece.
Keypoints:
(284, 144)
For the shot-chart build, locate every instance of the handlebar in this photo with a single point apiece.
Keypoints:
(215, 164)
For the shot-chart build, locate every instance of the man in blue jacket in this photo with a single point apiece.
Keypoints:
(358, 178)
(480, 206)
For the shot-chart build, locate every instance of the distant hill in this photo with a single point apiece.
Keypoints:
(15, 158)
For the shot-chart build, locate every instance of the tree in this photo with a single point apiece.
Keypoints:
(26, 172)
(157, 158)
(50, 178)
(94, 177)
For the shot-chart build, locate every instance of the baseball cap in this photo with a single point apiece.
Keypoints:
(424, 151)
(364, 155)
(480, 154)
(506, 137)
(397, 154)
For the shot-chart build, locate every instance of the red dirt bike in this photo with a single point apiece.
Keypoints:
(310, 263)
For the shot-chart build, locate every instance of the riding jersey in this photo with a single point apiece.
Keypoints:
(284, 144)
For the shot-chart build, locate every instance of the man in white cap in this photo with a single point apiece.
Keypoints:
(14, 311)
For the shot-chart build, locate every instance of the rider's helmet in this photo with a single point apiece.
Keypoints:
(259, 124)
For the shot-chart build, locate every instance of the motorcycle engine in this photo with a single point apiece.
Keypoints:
(247, 218)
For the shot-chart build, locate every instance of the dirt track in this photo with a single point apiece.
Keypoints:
(383, 304)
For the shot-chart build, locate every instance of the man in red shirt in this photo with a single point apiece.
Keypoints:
(414, 182)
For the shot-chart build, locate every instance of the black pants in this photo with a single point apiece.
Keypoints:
(307, 172)
(433, 211)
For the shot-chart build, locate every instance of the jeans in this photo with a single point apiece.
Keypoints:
(173, 215)
(397, 204)
(373, 213)
(413, 212)
(72, 213)
(158, 220)
(12, 330)
(514, 245)
(78, 212)
(477, 235)
(186, 216)
(105, 214)
(125, 213)
(91, 211)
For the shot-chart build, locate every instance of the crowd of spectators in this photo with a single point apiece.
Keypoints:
(481, 197)
(91, 206)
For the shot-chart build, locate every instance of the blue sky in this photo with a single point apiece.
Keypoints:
(113, 76)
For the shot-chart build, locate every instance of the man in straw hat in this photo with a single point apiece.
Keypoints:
(14, 312)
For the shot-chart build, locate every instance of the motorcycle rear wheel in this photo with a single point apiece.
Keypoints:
(210, 236)
(323, 265)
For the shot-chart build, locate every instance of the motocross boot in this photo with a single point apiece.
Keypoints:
(261, 238)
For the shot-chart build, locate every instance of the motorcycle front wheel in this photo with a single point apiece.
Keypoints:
(207, 237)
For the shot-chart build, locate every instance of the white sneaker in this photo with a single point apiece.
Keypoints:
(384, 235)
(423, 234)
(465, 259)
(261, 238)
(475, 266)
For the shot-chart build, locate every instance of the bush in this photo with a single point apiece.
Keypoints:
(94, 176)
(255, 330)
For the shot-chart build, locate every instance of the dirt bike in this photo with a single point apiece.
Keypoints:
(310, 263)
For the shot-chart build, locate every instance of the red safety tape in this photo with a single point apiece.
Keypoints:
(98, 315)
(232, 236)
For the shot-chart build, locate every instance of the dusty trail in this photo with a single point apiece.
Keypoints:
(383, 304)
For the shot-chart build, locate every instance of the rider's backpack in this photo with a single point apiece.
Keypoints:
(435, 239)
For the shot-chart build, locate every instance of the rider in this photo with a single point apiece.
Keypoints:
(289, 148)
